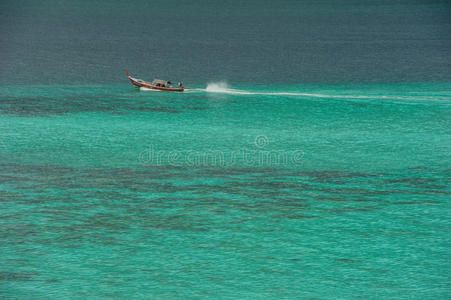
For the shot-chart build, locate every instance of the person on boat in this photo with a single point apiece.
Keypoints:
(180, 84)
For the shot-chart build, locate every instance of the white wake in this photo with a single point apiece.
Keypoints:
(223, 88)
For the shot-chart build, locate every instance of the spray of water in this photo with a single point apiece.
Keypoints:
(223, 87)
(217, 87)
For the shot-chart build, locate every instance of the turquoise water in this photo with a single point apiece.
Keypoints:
(283, 191)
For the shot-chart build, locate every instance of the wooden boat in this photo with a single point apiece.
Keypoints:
(156, 84)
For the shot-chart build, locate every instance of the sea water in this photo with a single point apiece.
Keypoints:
(225, 191)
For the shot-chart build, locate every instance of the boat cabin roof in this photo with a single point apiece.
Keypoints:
(155, 81)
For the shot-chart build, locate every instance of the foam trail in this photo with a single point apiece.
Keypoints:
(223, 87)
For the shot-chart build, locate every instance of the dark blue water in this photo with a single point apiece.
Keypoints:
(238, 41)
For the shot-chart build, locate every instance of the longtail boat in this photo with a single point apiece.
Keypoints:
(156, 84)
